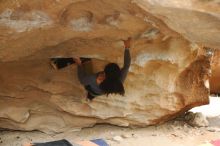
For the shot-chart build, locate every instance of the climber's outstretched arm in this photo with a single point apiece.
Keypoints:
(127, 59)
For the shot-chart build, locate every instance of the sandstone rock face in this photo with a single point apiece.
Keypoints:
(196, 20)
(215, 76)
(169, 74)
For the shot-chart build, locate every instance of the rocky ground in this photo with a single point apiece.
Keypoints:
(174, 133)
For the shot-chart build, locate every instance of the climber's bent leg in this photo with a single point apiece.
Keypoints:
(91, 94)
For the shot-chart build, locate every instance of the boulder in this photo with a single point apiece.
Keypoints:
(196, 119)
(169, 73)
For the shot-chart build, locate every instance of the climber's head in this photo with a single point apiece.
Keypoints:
(112, 83)
(112, 70)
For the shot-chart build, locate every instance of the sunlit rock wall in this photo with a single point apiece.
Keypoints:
(168, 75)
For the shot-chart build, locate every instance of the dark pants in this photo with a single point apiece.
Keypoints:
(91, 94)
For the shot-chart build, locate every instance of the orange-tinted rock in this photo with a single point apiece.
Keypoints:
(168, 75)
(215, 75)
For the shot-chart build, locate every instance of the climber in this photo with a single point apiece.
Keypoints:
(105, 82)
(108, 81)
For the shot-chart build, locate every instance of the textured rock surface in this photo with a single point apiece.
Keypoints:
(196, 20)
(169, 74)
(196, 119)
(215, 76)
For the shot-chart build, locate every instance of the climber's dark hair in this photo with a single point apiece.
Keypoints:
(110, 86)
(112, 82)
(112, 70)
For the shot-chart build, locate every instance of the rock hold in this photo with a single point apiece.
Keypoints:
(196, 119)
